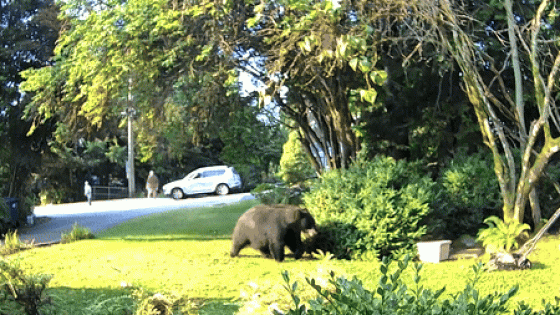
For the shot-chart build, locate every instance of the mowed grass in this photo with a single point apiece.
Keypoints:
(185, 254)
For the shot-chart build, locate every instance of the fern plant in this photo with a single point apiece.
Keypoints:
(500, 235)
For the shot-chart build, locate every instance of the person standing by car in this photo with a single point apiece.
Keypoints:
(152, 185)
(87, 192)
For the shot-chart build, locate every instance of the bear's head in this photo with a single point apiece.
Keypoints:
(307, 223)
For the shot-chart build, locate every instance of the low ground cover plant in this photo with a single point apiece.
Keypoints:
(392, 295)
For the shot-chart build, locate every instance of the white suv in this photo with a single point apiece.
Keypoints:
(214, 179)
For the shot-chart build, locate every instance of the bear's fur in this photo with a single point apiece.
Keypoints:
(268, 228)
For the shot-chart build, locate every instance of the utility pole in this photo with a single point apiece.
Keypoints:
(130, 112)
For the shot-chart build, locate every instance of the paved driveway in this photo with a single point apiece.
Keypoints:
(52, 220)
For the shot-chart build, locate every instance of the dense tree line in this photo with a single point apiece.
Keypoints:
(28, 32)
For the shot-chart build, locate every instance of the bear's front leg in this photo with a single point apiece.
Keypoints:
(237, 246)
(277, 250)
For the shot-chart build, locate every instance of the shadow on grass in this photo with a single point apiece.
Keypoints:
(78, 301)
(219, 307)
(538, 266)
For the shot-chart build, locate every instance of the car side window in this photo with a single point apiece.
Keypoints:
(214, 173)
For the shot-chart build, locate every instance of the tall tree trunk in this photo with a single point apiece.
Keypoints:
(519, 102)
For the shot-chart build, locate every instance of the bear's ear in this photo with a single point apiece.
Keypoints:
(296, 215)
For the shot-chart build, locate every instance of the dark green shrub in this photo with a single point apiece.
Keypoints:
(373, 208)
(468, 193)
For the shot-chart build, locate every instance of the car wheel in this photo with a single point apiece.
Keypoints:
(222, 189)
(177, 193)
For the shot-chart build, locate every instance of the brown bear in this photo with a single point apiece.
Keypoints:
(268, 228)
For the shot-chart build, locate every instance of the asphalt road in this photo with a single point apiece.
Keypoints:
(53, 220)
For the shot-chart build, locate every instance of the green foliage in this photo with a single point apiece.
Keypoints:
(26, 290)
(393, 296)
(52, 196)
(373, 208)
(294, 164)
(470, 182)
(252, 146)
(548, 195)
(77, 233)
(275, 194)
(501, 236)
(468, 192)
(118, 305)
(549, 309)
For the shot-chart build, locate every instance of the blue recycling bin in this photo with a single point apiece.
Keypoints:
(13, 206)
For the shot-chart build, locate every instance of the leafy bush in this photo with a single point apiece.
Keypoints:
(26, 290)
(470, 181)
(52, 195)
(77, 233)
(373, 208)
(393, 296)
(501, 236)
(468, 193)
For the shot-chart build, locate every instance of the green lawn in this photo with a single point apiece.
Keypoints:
(185, 254)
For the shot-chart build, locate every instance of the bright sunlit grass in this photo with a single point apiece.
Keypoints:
(185, 253)
(187, 224)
